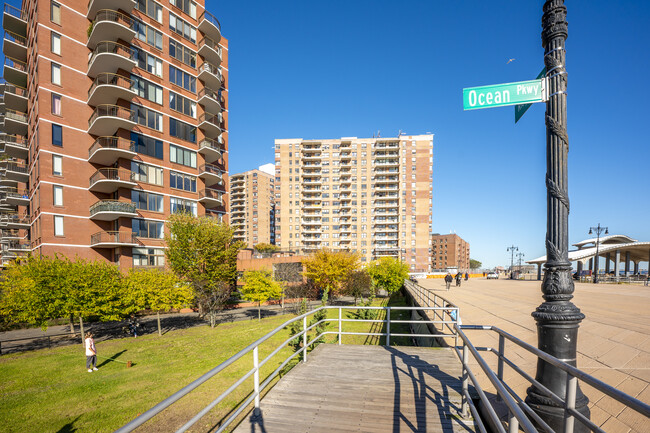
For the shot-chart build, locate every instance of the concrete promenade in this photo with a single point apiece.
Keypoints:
(613, 340)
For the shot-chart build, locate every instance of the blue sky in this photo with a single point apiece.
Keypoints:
(352, 68)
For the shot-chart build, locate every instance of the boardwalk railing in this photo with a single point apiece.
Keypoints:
(521, 415)
(442, 318)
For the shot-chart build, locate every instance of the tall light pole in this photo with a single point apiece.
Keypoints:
(557, 318)
(598, 231)
(512, 250)
(519, 257)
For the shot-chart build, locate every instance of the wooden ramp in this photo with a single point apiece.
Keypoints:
(351, 388)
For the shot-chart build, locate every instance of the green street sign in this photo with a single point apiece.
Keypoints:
(520, 109)
(499, 95)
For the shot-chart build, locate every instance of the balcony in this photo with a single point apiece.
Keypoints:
(15, 146)
(211, 198)
(210, 125)
(94, 6)
(211, 174)
(110, 210)
(5, 182)
(18, 247)
(16, 197)
(107, 88)
(110, 25)
(14, 46)
(8, 235)
(107, 150)
(212, 150)
(14, 221)
(106, 119)
(113, 240)
(15, 171)
(14, 20)
(210, 100)
(210, 75)
(109, 180)
(15, 72)
(15, 98)
(109, 57)
(210, 26)
(210, 51)
(15, 122)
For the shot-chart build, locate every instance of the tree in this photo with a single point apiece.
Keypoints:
(265, 248)
(156, 290)
(359, 285)
(388, 273)
(475, 264)
(260, 286)
(202, 252)
(329, 269)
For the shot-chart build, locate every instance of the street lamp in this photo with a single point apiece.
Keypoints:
(598, 231)
(512, 250)
(519, 257)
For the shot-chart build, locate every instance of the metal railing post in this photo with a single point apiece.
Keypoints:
(570, 402)
(502, 344)
(465, 381)
(340, 316)
(388, 326)
(513, 423)
(304, 339)
(256, 379)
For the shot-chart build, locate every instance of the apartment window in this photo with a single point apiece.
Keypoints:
(148, 62)
(55, 13)
(147, 90)
(147, 145)
(182, 27)
(182, 53)
(147, 229)
(148, 34)
(55, 43)
(56, 74)
(57, 135)
(148, 257)
(56, 104)
(182, 156)
(150, 8)
(182, 130)
(147, 173)
(57, 165)
(149, 118)
(182, 79)
(147, 201)
(57, 195)
(187, 6)
(182, 181)
(182, 205)
(182, 104)
(58, 225)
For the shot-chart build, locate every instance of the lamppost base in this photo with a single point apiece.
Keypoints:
(552, 414)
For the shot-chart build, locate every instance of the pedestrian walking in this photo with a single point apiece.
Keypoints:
(466, 276)
(459, 278)
(448, 280)
(133, 325)
(91, 353)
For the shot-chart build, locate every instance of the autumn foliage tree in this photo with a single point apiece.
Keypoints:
(329, 269)
(388, 273)
(260, 286)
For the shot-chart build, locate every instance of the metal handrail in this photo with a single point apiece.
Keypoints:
(113, 16)
(211, 44)
(107, 78)
(210, 168)
(213, 94)
(214, 70)
(257, 363)
(112, 174)
(108, 110)
(211, 193)
(112, 206)
(211, 18)
(112, 237)
(108, 142)
(15, 115)
(112, 48)
(15, 90)
(16, 64)
(16, 140)
(15, 12)
(13, 37)
(211, 144)
(210, 118)
(14, 166)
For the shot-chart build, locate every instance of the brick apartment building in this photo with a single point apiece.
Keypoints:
(370, 195)
(252, 207)
(114, 116)
(449, 251)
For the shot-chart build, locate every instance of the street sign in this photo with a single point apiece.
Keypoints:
(520, 109)
(499, 95)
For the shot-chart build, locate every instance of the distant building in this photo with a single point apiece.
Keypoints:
(252, 207)
(449, 251)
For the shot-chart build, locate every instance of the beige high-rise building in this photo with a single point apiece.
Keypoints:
(370, 195)
(252, 207)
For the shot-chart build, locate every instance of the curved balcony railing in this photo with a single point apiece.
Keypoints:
(11, 36)
(14, 140)
(109, 47)
(211, 18)
(214, 70)
(15, 12)
(15, 90)
(117, 174)
(107, 110)
(212, 195)
(213, 119)
(107, 78)
(112, 237)
(210, 50)
(14, 219)
(112, 206)
(18, 168)
(114, 143)
(16, 64)
(113, 16)
(210, 168)
(15, 115)
(16, 193)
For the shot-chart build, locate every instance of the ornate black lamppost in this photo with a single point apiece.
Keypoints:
(520, 256)
(557, 318)
(512, 250)
(598, 231)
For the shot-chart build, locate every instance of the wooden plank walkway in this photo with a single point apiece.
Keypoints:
(351, 388)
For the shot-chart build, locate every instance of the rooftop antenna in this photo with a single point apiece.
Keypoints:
(399, 134)
(378, 133)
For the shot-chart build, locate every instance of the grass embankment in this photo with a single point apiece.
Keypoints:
(50, 390)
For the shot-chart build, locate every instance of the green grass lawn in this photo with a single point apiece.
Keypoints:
(50, 390)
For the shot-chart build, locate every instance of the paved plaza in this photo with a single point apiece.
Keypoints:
(613, 340)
